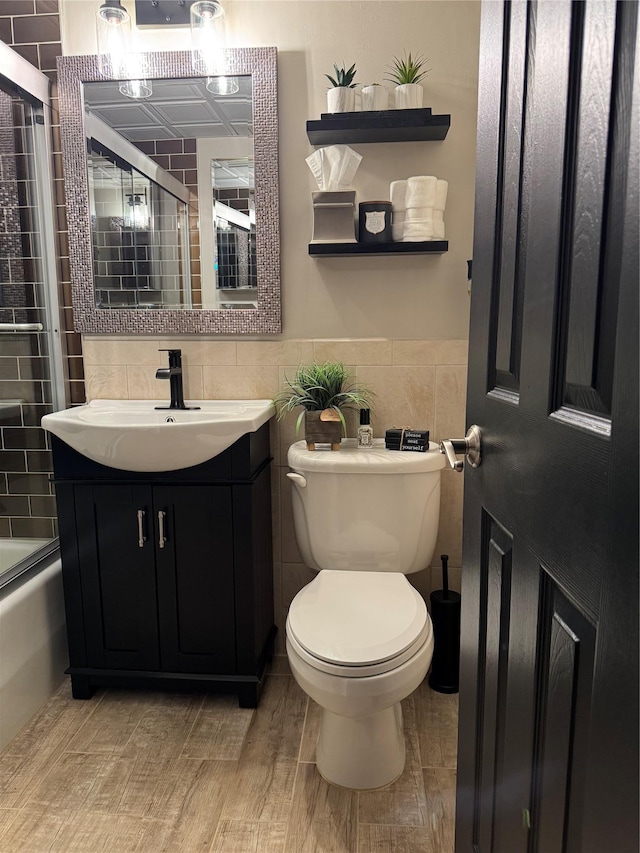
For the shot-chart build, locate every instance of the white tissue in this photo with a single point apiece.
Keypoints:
(421, 191)
(441, 195)
(334, 167)
(398, 193)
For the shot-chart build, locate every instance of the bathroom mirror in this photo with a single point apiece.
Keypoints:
(172, 198)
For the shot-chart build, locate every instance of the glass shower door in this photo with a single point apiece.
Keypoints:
(30, 353)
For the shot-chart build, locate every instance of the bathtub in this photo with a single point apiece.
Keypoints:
(33, 640)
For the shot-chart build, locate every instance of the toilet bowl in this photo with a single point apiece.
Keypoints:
(359, 638)
(358, 644)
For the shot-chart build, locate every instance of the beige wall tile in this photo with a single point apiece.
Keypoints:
(143, 384)
(404, 396)
(275, 352)
(450, 528)
(239, 383)
(202, 351)
(106, 383)
(121, 351)
(362, 351)
(295, 576)
(430, 352)
(451, 394)
(277, 591)
(276, 511)
(290, 553)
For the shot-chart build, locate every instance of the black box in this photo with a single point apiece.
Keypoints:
(407, 439)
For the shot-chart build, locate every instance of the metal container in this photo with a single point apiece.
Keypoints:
(334, 216)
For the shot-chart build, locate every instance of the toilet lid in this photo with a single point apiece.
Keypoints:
(357, 618)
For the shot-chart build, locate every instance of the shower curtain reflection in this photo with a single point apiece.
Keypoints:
(29, 378)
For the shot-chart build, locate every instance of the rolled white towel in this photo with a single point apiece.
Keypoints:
(415, 232)
(421, 191)
(418, 214)
(398, 216)
(398, 194)
(442, 188)
(397, 229)
(438, 225)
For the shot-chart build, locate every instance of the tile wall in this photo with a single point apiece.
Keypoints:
(419, 383)
(32, 29)
(178, 157)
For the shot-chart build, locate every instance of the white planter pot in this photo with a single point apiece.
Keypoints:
(409, 96)
(340, 99)
(375, 98)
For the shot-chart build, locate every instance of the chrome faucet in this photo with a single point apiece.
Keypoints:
(174, 374)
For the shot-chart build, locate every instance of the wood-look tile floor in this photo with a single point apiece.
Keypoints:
(141, 771)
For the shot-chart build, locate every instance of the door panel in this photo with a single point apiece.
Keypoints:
(549, 667)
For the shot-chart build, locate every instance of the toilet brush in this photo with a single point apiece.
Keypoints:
(445, 616)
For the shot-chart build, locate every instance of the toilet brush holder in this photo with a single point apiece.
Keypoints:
(445, 617)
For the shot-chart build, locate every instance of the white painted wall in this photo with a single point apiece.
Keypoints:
(395, 297)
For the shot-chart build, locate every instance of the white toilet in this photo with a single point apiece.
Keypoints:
(359, 638)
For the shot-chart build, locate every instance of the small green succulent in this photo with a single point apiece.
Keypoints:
(343, 78)
(316, 387)
(407, 69)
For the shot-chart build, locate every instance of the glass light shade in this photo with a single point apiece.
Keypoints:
(113, 32)
(222, 85)
(208, 37)
(136, 89)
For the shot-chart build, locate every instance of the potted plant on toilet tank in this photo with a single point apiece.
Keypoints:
(341, 97)
(324, 392)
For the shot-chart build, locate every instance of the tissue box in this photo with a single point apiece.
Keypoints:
(407, 439)
(334, 216)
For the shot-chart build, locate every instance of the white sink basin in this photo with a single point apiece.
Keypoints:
(133, 435)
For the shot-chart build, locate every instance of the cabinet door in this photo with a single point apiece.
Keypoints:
(117, 567)
(195, 578)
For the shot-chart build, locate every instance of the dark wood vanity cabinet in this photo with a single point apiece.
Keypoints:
(168, 577)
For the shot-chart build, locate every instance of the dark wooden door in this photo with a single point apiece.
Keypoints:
(548, 746)
(195, 559)
(118, 576)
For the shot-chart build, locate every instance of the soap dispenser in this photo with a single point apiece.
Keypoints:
(365, 430)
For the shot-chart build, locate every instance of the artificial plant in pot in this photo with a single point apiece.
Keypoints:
(407, 72)
(324, 392)
(341, 97)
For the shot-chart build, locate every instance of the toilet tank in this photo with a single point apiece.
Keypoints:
(365, 509)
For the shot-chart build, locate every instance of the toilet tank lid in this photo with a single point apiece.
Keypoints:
(357, 618)
(351, 459)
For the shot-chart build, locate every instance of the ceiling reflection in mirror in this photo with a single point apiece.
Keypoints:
(144, 195)
(181, 196)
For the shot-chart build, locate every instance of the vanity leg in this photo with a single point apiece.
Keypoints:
(80, 687)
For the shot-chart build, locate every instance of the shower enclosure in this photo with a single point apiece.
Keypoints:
(31, 376)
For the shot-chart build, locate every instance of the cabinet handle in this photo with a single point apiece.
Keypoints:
(141, 537)
(161, 537)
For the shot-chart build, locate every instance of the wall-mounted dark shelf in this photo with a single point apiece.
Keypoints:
(384, 126)
(337, 250)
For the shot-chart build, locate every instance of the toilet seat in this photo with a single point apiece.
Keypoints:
(357, 624)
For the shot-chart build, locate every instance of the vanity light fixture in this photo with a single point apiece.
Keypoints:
(209, 46)
(139, 210)
(116, 57)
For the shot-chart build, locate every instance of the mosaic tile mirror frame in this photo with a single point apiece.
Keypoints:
(261, 65)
